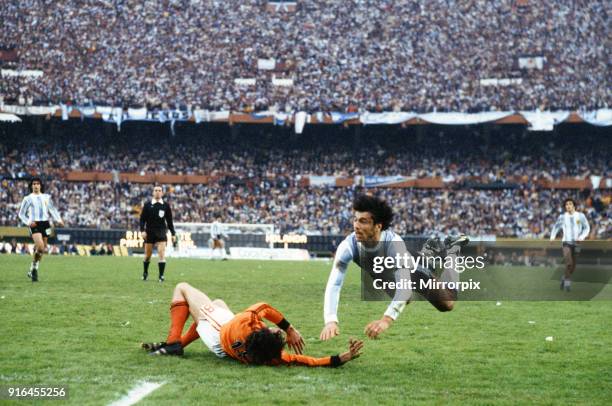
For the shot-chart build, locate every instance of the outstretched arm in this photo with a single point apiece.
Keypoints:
(354, 351)
(344, 255)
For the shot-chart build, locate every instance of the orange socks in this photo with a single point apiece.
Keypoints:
(179, 312)
(190, 336)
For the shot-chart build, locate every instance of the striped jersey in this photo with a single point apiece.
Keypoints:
(37, 207)
(575, 227)
(216, 230)
(351, 250)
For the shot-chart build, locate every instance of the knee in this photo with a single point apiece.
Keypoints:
(446, 306)
(182, 286)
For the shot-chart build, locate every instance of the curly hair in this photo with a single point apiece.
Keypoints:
(379, 209)
(264, 346)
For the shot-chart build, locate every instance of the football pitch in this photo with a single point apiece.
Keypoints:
(82, 324)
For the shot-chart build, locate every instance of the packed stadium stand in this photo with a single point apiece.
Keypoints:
(491, 180)
(185, 56)
(375, 55)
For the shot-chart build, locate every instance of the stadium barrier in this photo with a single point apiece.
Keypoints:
(597, 252)
(398, 181)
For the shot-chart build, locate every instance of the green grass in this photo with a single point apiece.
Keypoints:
(72, 329)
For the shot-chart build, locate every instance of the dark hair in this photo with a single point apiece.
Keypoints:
(264, 346)
(37, 179)
(569, 199)
(379, 209)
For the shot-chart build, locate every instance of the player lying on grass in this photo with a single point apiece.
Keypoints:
(371, 238)
(243, 336)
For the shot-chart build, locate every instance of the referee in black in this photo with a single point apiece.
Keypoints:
(155, 221)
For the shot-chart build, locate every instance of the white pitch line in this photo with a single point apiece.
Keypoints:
(137, 393)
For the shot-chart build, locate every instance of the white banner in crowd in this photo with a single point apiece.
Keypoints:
(531, 62)
(137, 114)
(538, 120)
(464, 118)
(322, 180)
(501, 82)
(595, 181)
(602, 117)
(386, 118)
(207, 115)
(301, 118)
(245, 81)
(29, 110)
(339, 118)
(27, 73)
(382, 181)
(544, 120)
(8, 117)
(284, 82)
(266, 64)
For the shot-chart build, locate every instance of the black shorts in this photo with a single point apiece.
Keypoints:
(155, 236)
(42, 227)
(572, 249)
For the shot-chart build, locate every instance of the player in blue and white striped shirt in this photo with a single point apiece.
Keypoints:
(35, 211)
(575, 228)
(217, 239)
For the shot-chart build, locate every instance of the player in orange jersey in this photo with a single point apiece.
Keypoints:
(243, 336)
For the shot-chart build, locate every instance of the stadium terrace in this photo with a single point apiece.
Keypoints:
(326, 56)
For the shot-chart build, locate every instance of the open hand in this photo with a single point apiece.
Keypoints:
(353, 352)
(295, 340)
(329, 331)
(375, 328)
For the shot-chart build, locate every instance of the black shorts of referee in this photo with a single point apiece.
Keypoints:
(156, 235)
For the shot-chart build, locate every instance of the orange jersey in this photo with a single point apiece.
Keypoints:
(235, 333)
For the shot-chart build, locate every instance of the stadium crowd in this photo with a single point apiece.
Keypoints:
(451, 156)
(342, 55)
(512, 213)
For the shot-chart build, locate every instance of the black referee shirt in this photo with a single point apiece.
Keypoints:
(155, 216)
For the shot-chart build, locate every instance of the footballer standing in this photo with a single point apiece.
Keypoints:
(155, 221)
(35, 211)
(575, 228)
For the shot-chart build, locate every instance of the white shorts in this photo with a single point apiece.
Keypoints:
(212, 318)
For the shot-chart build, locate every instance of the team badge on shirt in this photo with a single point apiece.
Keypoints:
(161, 214)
